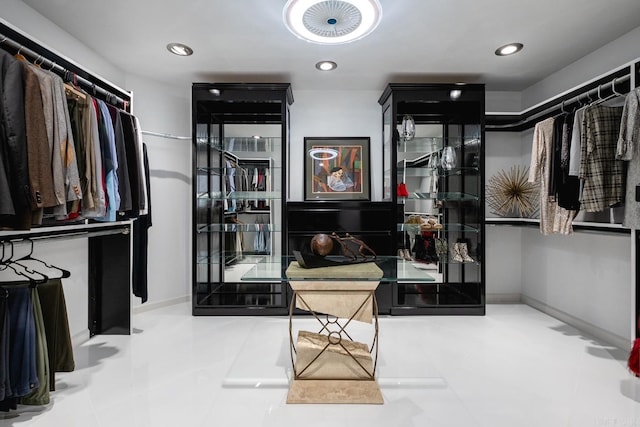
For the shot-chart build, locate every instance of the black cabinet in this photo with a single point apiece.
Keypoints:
(240, 134)
(433, 161)
(371, 222)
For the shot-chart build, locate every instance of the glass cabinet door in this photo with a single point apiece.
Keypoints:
(438, 190)
(240, 146)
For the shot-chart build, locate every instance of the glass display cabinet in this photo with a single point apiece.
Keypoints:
(433, 158)
(240, 134)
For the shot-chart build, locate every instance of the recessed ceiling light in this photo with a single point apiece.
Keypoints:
(331, 21)
(455, 93)
(326, 65)
(214, 91)
(179, 49)
(509, 49)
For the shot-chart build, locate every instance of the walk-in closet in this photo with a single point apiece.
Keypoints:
(243, 213)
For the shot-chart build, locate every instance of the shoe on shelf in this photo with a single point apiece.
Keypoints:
(455, 253)
(434, 223)
(407, 255)
(464, 252)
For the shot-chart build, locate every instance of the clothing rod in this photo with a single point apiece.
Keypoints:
(52, 66)
(593, 92)
(558, 104)
(72, 235)
(164, 135)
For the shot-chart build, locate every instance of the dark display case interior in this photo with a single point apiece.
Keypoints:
(239, 136)
(433, 172)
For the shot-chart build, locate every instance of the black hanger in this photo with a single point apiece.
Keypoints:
(26, 273)
(29, 257)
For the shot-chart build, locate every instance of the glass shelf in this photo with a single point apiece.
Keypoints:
(271, 269)
(434, 143)
(214, 258)
(218, 171)
(425, 172)
(450, 196)
(458, 228)
(243, 144)
(216, 228)
(241, 195)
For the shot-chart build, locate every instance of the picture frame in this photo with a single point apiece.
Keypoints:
(337, 168)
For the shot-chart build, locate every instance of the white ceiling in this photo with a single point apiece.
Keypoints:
(417, 40)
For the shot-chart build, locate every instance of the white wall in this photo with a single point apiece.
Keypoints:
(334, 113)
(584, 279)
(601, 61)
(165, 109)
(18, 15)
(503, 259)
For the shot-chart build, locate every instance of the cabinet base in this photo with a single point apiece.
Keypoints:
(335, 391)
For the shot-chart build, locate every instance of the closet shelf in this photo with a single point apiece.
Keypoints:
(405, 268)
(464, 228)
(577, 225)
(426, 172)
(434, 143)
(242, 145)
(217, 228)
(241, 195)
(220, 171)
(447, 197)
(247, 259)
(84, 229)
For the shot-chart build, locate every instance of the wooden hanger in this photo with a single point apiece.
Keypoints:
(72, 92)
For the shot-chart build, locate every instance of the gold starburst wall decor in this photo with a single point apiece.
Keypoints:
(510, 194)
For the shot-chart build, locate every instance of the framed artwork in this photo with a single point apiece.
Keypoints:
(336, 168)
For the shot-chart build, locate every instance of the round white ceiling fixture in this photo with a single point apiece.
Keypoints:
(179, 49)
(326, 65)
(509, 49)
(331, 21)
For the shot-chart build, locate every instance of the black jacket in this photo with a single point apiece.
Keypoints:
(14, 171)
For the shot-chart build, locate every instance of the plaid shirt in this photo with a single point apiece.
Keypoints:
(603, 175)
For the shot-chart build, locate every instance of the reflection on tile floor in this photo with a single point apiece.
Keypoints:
(514, 367)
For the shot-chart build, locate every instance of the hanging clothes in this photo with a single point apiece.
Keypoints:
(64, 146)
(40, 395)
(15, 194)
(109, 160)
(603, 175)
(55, 318)
(23, 374)
(38, 148)
(553, 219)
(140, 237)
(96, 205)
(47, 91)
(574, 151)
(124, 185)
(628, 149)
(567, 187)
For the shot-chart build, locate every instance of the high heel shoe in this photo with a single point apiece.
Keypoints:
(442, 250)
(455, 252)
(464, 252)
(407, 255)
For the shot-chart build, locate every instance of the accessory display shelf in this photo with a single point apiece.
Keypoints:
(240, 134)
(437, 176)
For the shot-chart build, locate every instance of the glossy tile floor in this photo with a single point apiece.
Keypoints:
(515, 367)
